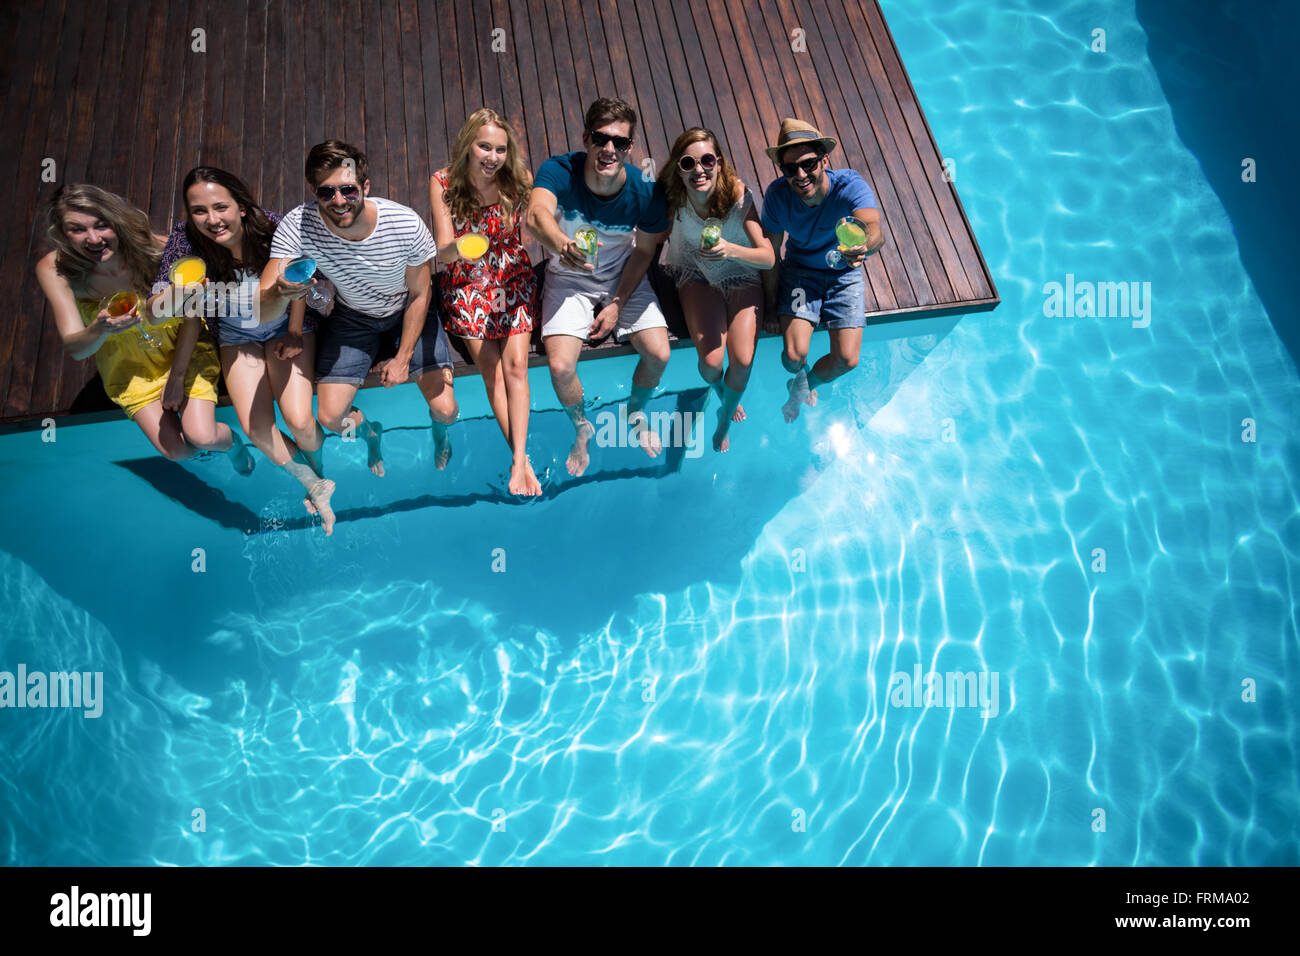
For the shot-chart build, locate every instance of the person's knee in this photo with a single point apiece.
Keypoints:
(443, 407)
(792, 357)
(563, 369)
(711, 366)
(301, 424)
(847, 363)
(174, 446)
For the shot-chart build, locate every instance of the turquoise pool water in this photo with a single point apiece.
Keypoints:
(693, 662)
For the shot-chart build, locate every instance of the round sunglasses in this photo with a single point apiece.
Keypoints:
(707, 162)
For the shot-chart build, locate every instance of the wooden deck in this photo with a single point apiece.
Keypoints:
(114, 94)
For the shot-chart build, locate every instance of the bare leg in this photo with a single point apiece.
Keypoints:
(290, 385)
(335, 411)
(514, 366)
(163, 429)
(436, 387)
(652, 344)
(562, 356)
(798, 337)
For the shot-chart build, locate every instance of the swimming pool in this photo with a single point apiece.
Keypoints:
(710, 660)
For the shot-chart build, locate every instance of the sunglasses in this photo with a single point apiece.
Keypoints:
(621, 143)
(326, 193)
(791, 170)
(707, 162)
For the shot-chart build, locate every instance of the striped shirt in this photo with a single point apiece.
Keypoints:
(369, 274)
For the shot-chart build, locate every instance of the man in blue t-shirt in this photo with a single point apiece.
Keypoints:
(819, 280)
(598, 196)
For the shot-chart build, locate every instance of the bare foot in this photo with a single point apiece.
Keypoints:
(646, 436)
(240, 458)
(375, 458)
(317, 502)
(799, 395)
(441, 449)
(578, 456)
(523, 481)
(739, 414)
(720, 440)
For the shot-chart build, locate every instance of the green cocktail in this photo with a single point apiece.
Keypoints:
(587, 242)
(711, 234)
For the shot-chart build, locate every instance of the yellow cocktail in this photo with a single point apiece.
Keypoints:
(472, 245)
(188, 271)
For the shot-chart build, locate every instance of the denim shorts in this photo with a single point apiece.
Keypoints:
(237, 331)
(835, 298)
(349, 343)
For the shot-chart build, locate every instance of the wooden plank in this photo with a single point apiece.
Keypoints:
(384, 19)
(945, 193)
(571, 101)
(452, 80)
(25, 347)
(655, 95)
(947, 280)
(430, 42)
(883, 160)
(252, 152)
(739, 139)
(530, 125)
(762, 114)
(414, 118)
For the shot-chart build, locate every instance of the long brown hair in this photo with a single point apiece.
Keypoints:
(726, 185)
(136, 244)
(257, 227)
(514, 182)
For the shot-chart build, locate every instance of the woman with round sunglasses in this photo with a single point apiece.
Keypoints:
(715, 251)
(105, 249)
(488, 292)
(267, 360)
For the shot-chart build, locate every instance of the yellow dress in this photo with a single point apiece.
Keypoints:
(134, 372)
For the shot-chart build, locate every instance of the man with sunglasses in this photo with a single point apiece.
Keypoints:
(813, 282)
(376, 252)
(599, 189)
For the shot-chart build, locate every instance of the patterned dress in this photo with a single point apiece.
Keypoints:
(502, 300)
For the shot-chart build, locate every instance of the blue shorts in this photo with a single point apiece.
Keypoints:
(835, 298)
(234, 331)
(349, 342)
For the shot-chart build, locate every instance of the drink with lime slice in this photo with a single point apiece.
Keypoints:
(711, 234)
(586, 240)
(851, 233)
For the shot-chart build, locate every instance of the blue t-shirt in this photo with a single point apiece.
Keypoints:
(640, 204)
(810, 230)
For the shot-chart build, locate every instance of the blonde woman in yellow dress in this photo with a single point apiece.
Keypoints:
(103, 245)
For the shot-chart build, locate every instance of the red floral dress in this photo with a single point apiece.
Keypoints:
(503, 300)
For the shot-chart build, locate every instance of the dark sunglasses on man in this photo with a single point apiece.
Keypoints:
(326, 193)
(791, 170)
(621, 143)
(707, 162)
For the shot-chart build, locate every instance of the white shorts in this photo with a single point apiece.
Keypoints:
(569, 305)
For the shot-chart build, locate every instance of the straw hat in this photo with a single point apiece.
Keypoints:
(798, 133)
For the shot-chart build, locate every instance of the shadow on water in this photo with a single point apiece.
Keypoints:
(1229, 72)
(566, 562)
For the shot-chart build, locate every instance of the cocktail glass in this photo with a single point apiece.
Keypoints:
(474, 246)
(300, 271)
(124, 303)
(588, 242)
(711, 234)
(851, 233)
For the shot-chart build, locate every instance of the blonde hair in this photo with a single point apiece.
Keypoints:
(136, 244)
(514, 182)
(726, 185)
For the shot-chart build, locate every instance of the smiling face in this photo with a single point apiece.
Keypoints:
(487, 154)
(807, 186)
(606, 162)
(90, 236)
(699, 182)
(340, 210)
(214, 212)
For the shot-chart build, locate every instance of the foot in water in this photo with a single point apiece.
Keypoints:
(579, 458)
(739, 414)
(441, 446)
(799, 395)
(241, 459)
(720, 440)
(317, 502)
(523, 480)
(374, 457)
(645, 436)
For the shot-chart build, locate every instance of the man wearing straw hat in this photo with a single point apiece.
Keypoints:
(818, 280)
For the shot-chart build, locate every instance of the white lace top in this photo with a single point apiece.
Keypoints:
(681, 257)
